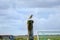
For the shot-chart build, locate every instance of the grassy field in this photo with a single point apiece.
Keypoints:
(50, 37)
(24, 37)
(41, 37)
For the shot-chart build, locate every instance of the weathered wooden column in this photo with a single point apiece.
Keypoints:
(30, 29)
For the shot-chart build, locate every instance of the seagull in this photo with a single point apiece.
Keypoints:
(30, 17)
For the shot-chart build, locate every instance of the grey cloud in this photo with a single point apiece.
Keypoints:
(37, 3)
(1, 14)
(4, 4)
(52, 23)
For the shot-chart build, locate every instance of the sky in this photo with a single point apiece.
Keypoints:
(15, 13)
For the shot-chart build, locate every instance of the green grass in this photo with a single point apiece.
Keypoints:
(51, 37)
(41, 37)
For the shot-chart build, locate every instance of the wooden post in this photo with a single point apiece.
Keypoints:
(30, 29)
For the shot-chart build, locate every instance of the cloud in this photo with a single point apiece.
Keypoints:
(52, 23)
(37, 3)
(4, 4)
(11, 22)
